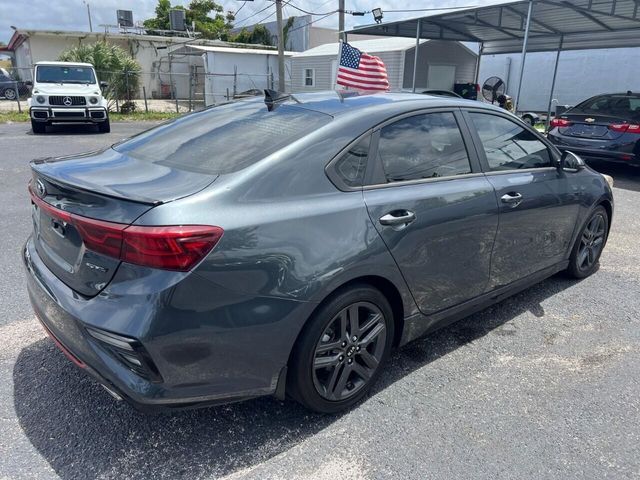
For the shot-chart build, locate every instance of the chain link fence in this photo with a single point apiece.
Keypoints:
(170, 91)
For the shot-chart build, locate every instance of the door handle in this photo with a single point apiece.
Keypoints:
(513, 199)
(397, 218)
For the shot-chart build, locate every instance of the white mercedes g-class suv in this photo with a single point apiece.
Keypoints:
(67, 92)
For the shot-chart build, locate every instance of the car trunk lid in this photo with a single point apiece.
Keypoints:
(591, 126)
(81, 204)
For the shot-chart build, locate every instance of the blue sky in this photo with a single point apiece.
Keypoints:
(72, 14)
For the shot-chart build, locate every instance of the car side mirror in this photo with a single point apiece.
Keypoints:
(29, 83)
(104, 84)
(571, 162)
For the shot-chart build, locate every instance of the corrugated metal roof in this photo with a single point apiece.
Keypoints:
(583, 24)
(377, 45)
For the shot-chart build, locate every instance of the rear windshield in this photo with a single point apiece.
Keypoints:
(225, 138)
(625, 106)
(64, 74)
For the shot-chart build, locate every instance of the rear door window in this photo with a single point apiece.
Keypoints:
(351, 166)
(509, 146)
(422, 146)
(223, 139)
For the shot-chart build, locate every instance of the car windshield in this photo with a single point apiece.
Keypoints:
(225, 138)
(64, 74)
(625, 106)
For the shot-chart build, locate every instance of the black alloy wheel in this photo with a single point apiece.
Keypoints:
(349, 351)
(341, 350)
(586, 252)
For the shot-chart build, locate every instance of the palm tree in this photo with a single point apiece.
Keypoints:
(113, 65)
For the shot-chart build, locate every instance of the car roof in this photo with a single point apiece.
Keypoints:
(80, 64)
(336, 102)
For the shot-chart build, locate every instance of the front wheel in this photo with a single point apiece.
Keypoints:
(339, 355)
(104, 127)
(38, 127)
(10, 94)
(588, 247)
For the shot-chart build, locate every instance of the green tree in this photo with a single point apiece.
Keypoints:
(260, 35)
(208, 16)
(113, 65)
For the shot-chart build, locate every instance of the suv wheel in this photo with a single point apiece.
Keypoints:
(339, 355)
(588, 247)
(104, 127)
(38, 127)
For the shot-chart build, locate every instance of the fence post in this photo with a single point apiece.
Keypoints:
(126, 82)
(176, 98)
(235, 80)
(190, 88)
(144, 94)
(18, 98)
(117, 106)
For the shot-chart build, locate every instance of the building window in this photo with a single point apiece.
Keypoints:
(309, 77)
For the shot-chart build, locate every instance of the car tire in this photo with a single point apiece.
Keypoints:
(104, 127)
(528, 119)
(585, 255)
(9, 94)
(341, 350)
(38, 127)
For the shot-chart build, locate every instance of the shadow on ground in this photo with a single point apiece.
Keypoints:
(83, 433)
(69, 129)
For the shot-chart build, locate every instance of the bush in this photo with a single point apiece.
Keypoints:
(128, 107)
(113, 65)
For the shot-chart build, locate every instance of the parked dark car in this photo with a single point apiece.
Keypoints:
(10, 88)
(285, 247)
(604, 127)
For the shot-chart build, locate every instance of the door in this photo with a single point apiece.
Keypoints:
(433, 208)
(538, 203)
(441, 77)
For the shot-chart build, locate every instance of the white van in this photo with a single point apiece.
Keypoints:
(67, 92)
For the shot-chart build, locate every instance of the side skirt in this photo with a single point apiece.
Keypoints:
(419, 325)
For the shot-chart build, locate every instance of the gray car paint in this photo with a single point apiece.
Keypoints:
(225, 330)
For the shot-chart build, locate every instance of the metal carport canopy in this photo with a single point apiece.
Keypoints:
(526, 26)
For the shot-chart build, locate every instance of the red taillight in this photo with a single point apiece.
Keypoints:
(170, 248)
(624, 127)
(561, 122)
(174, 247)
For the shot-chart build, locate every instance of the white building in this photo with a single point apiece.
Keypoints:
(581, 74)
(231, 71)
(164, 68)
(303, 34)
(440, 64)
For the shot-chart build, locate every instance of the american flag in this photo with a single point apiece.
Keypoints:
(361, 71)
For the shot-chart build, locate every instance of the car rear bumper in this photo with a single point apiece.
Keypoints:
(235, 371)
(68, 114)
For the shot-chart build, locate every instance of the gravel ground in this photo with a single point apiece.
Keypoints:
(543, 385)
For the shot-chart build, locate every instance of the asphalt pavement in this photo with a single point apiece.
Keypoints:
(542, 385)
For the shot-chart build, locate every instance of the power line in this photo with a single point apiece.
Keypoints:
(311, 13)
(254, 14)
(426, 9)
(241, 6)
(313, 21)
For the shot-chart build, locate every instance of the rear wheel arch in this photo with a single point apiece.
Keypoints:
(384, 285)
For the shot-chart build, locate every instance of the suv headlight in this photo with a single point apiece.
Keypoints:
(93, 100)
(40, 99)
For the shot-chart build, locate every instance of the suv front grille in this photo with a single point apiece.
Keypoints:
(60, 100)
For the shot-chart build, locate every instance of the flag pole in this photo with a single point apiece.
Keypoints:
(335, 79)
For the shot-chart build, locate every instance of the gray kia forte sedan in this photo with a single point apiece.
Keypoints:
(285, 245)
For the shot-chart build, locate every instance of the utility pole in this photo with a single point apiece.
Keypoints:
(89, 15)
(281, 85)
(341, 19)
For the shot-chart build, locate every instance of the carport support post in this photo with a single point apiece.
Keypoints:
(415, 56)
(524, 53)
(553, 84)
(478, 63)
